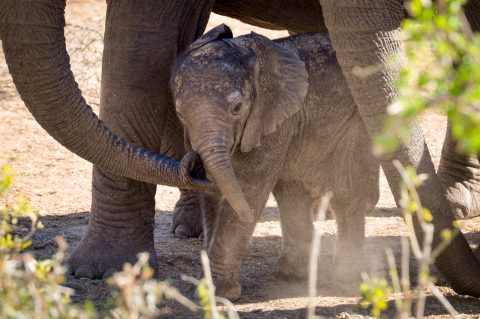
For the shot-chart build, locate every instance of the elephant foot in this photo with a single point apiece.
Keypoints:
(228, 288)
(292, 268)
(460, 177)
(96, 257)
(187, 216)
(464, 200)
(346, 273)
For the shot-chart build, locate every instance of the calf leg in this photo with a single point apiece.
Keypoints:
(226, 239)
(350, 218)
(295, 206)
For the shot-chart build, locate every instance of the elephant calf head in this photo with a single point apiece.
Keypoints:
(229, 93)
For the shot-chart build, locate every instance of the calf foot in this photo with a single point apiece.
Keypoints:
(228, 288)
(187, 216)
(98, 257)
(343, 273)
(292, 268)
(346, 271)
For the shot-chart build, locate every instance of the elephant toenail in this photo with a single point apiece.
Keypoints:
(181, 232)
(84, 271)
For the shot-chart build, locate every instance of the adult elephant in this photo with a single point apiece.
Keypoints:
(142, 38)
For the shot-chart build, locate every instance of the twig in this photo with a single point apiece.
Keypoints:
(424, 278)
(395, 282)
(174, 294)
(425, 257)
(209, 282)
(405, 274)
(443, 300)
(315, 253)
(232, 313)
(190, 279)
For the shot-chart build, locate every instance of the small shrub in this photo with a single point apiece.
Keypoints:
(30, 288)
(441, 72)
(376, 292)
(33, 289)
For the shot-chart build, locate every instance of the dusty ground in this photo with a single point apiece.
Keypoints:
(58, 182)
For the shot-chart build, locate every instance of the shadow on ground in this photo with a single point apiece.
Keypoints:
(264, 295)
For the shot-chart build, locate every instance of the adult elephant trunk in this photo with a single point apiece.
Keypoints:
(214, 151)
(366, 37)
(33, 39)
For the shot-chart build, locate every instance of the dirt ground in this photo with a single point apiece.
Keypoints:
(59, 183)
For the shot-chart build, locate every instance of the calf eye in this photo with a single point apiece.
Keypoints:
(236, 108)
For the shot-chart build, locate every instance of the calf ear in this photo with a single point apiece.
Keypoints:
(217, 33)
(281, 84)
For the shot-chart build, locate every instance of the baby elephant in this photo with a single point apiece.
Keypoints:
(274, 116)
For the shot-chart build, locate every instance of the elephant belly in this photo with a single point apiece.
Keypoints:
(342, 163)
(304, 16)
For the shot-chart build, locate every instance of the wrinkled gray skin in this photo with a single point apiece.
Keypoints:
(142, 40)
(246, 111)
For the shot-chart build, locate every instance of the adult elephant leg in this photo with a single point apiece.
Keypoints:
(187, 216)
(142, 39)
(460, 173)
(472, 12)
(366, 37)
(460, 176)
